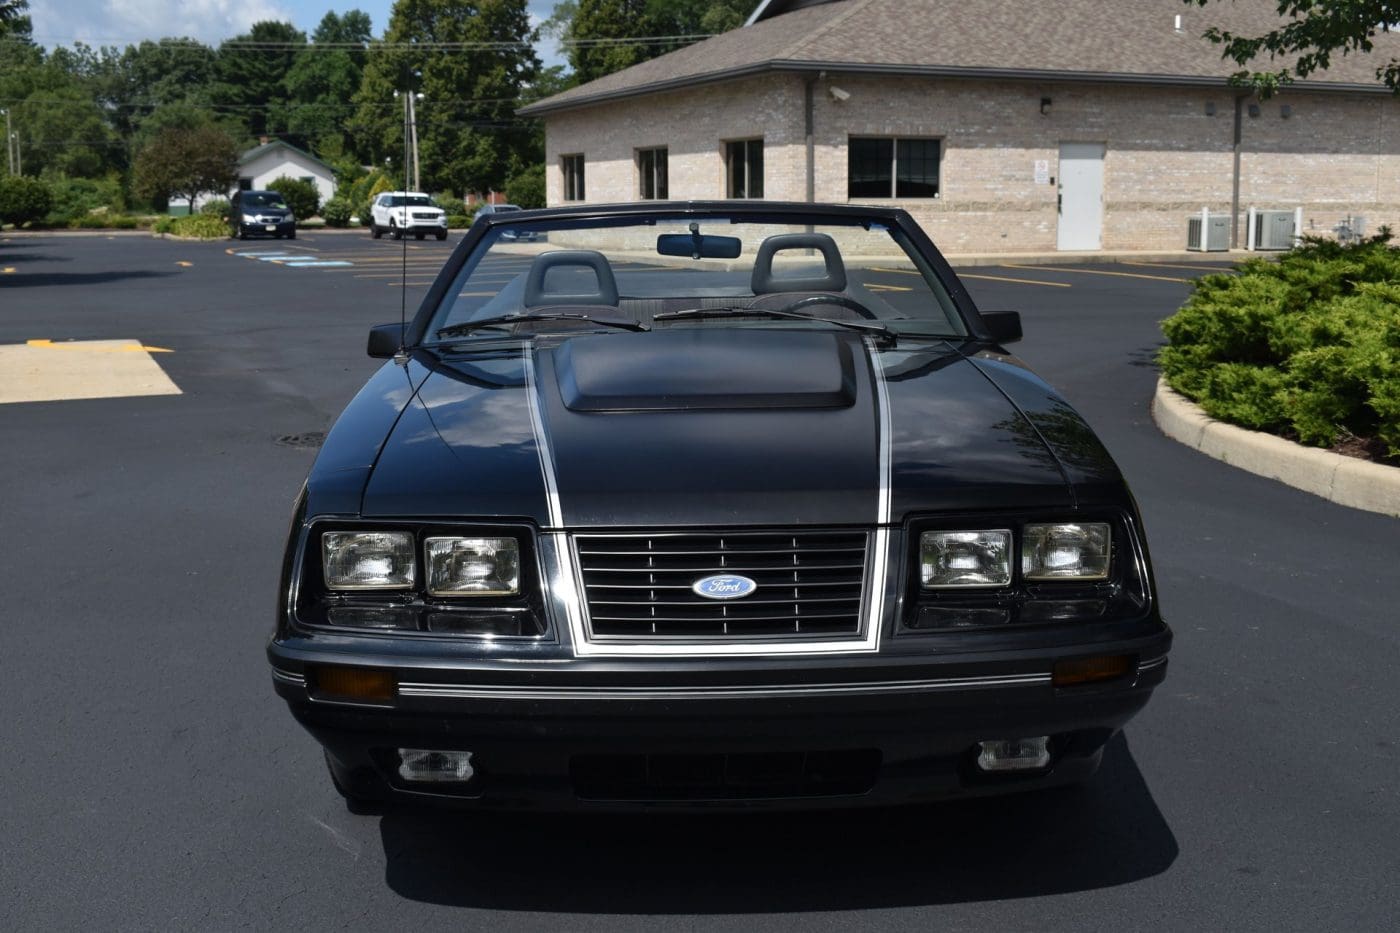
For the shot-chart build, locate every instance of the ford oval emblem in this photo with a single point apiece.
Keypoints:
(724, 586)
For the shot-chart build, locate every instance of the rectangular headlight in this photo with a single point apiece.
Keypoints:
(473, 566)
(965, 558)
(1065, 552)
(368, 560)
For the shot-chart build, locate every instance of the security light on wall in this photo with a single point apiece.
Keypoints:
(1045, 106)
(838, 94)
(1285, 111)
(1254, 110)
(1210, 108)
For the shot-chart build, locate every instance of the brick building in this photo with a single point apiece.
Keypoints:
(1001, 125)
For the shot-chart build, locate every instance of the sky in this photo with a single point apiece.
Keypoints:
(124, 22)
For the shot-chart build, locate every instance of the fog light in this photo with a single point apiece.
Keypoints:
(429, 766)
(1014, 754)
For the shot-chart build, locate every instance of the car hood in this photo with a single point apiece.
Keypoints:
(711, 426)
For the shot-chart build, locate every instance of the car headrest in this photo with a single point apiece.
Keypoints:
(604, 288)
(833, 279)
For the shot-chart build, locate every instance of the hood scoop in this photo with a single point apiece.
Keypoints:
(706, 369)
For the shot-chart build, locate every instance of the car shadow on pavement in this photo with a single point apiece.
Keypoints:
(43, 279)
(1108, 832)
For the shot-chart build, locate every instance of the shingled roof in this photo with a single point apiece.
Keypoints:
(1122, 41)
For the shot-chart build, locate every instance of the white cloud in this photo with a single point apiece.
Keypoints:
(119, 22)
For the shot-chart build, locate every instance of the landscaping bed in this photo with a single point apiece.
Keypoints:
(1306, 347)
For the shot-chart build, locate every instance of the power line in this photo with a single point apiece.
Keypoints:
(373, 45)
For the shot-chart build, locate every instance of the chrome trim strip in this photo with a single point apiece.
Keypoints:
(1150, 665)
(551, 484)
(287, 677)
(885, 437)
(529, 692)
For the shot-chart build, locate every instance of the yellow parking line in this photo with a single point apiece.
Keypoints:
(1002, 278)
(895, 271)
(876, 287)
(1168, 265)
(8, 270)
(1122, 275)
(183, 264)
(96, 346)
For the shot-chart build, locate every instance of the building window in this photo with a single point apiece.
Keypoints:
(743, 163)
(573, 177)
(651, 170)
(881, 167)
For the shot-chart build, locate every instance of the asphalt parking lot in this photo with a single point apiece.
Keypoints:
(154, 781)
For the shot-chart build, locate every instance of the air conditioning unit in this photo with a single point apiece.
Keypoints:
(1273, 230)
(1211, 236)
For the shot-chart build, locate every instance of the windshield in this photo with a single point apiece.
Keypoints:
(410, 200)
(750, 273)
(263, 199)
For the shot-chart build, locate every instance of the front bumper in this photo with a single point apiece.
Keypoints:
(276, 229)
(694, 736)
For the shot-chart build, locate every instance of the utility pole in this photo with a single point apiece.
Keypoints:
(9, 147)
(413, 137)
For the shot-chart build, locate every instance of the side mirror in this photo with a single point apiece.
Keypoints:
(384, 341)
(1003, 326)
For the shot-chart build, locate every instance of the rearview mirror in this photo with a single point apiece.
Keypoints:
(384, 341)
(698, 246)
(1003, 326)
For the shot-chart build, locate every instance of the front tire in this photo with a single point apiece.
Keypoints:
(292, 235)
(394, 231)
(442, 235)
(374, 231)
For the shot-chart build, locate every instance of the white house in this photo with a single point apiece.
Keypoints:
(261, 165)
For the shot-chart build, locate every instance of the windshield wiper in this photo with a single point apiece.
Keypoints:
(695, 314)
(506, 320)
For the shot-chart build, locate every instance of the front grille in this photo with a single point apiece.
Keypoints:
(639, 587)
(424, 215)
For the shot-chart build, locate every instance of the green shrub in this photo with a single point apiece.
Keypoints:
(75, 198)
(459, 221)
(23, 200)
(450, 203)
(337, 212)
(526, 187)
(103, 221)
(218, 207)
(302, 196)
(202, 226)
(1307, 347)
(163, 224)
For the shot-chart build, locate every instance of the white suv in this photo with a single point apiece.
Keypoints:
(400, 212)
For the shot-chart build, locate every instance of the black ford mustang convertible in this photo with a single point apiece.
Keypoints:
(710, 504)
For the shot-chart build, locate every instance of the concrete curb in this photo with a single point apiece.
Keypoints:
(1348, 481)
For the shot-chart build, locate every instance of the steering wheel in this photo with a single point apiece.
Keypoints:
(841, 300)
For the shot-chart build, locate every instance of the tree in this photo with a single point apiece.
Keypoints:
(468, 135)
(526, 187)
(14, 24)
(595, 30)
(185, 163)
(323, 81)
(1312, 31)
(249, 71)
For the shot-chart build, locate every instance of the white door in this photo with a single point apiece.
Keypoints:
(1081, 196)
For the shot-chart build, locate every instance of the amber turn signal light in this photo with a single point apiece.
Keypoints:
(1091, 670)
(358, 684)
